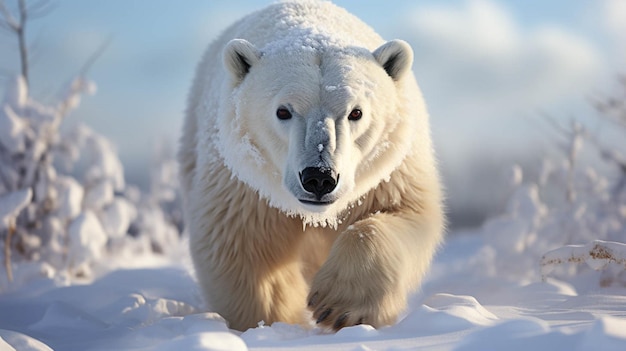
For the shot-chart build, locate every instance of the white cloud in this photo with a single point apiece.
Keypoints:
(615, 14)
(483, 64)
(462, 26)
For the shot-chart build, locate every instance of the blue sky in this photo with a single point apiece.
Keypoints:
(486, 67)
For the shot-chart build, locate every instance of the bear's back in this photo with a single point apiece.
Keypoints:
(301, 22)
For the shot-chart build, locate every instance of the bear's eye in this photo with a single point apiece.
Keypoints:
(283, 113)
(355, 115)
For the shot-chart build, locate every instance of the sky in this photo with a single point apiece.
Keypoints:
(488, 70)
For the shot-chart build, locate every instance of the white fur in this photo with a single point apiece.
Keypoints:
(255, 244)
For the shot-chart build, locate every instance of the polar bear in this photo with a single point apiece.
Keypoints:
(310, 187)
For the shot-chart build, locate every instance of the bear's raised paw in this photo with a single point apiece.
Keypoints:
(333, 317)
(356, 287)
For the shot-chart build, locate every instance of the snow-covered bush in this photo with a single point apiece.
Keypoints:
(74, 205)
(565, 214)
(607, 256)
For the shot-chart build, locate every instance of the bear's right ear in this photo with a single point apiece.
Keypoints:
(239, 56)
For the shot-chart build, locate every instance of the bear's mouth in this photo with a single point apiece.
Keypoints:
(316, 202)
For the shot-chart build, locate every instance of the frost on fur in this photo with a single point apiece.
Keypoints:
(298, 126)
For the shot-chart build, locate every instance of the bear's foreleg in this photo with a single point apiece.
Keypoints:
(372, 267)
(251, 277)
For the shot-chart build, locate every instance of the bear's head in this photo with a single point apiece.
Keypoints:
(313, 126)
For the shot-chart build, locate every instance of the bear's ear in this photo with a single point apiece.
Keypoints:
(396, 57)
(239, 56)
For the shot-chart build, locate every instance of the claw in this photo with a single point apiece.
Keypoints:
(324, 315)
(341, 321)
(313, 300)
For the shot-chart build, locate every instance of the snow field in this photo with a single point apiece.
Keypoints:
(460, 308)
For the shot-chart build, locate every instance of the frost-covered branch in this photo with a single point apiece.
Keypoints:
(74, 204)
(75, 216)
(571, 203)
(8, 21)
(597, 255)
(11, 205)
(613, 107)
(16, 24)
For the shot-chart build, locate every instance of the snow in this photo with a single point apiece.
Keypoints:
(13, 130)
(86, 239)
(156, 305)
(70, 198)
(11, 204)
(12, 341)
(117, 217)
(99, 195)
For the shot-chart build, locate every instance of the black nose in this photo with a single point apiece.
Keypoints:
(319, 181)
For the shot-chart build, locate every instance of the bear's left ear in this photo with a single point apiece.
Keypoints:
(239, 56)
(396, 57)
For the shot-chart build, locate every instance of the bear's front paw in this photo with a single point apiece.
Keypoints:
(337, 315)
(356, 285)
